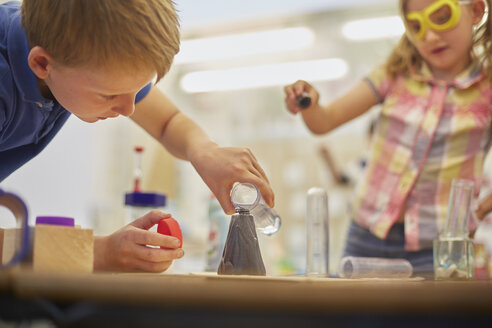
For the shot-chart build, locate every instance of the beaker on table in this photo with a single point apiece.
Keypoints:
(453, 249)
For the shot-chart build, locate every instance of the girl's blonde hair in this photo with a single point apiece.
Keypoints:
(485, 43)
(121, 34)
(405, 56)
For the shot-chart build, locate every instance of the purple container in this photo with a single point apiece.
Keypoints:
(55, 220)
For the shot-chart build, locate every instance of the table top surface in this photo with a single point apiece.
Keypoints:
(299, 294)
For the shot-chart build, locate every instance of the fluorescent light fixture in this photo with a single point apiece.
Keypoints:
(242, 45)
(264, 75)
(373, 28)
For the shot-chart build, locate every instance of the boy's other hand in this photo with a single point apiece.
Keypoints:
(221, 167)
(126, 250)
(292, 91)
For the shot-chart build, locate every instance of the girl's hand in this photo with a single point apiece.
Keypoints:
(220, 167)
(126, 249)
(292, 91)
(484, 207)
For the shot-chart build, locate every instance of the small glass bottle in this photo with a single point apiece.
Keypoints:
(317, 257)
(139, 203)
(303, 101)
(137, 168)
(218, 227)
(245, 195)
(453, 249)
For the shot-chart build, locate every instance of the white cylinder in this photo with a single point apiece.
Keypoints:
(317, 257)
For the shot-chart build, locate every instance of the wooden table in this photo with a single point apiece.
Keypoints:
(261, 297)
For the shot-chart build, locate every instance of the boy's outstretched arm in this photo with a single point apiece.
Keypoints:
(219, 167)
(322, 119)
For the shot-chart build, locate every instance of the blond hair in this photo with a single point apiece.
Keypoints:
(122, 34)
(405, 55)
(485, 43)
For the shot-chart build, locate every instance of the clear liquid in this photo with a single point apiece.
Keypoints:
(453, 259)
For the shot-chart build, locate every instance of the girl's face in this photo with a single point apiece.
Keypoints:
(442, 32)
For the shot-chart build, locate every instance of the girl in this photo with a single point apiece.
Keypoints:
(434, 126)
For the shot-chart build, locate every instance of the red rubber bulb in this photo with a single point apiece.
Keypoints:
(170, 227)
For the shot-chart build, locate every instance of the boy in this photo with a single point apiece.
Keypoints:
(95, 60)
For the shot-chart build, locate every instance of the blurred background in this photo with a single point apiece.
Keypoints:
(235, 58)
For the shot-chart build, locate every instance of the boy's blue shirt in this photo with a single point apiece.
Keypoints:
(28, 121)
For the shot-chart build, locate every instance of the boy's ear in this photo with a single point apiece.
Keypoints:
(478, 9)
(40, 62)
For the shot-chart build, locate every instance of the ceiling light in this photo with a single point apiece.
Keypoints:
(373, 28)
(242, 45)
(264, 75)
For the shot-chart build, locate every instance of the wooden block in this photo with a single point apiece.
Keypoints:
(63, 249)
(9, 243)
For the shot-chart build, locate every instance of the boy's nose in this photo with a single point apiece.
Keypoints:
(125, 106)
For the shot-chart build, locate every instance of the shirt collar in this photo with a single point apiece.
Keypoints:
(26, 81)
(469, 76)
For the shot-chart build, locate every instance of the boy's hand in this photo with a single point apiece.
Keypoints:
(292, 91)
(125, 250)
(220, 167)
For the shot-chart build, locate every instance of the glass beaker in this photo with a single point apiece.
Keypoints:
(246, 196)
(453, 249)
(317, 228)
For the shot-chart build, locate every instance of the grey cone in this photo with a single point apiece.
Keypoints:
(241, 252)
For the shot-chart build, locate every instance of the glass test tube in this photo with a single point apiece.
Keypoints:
(373, 267)
(317, 257)
(137, 171)
(246, 196)
(459, 207)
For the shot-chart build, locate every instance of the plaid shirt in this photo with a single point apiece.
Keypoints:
(428, 133)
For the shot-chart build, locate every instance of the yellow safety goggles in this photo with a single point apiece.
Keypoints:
(440, 16)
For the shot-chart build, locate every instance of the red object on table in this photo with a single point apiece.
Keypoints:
(170, 227)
